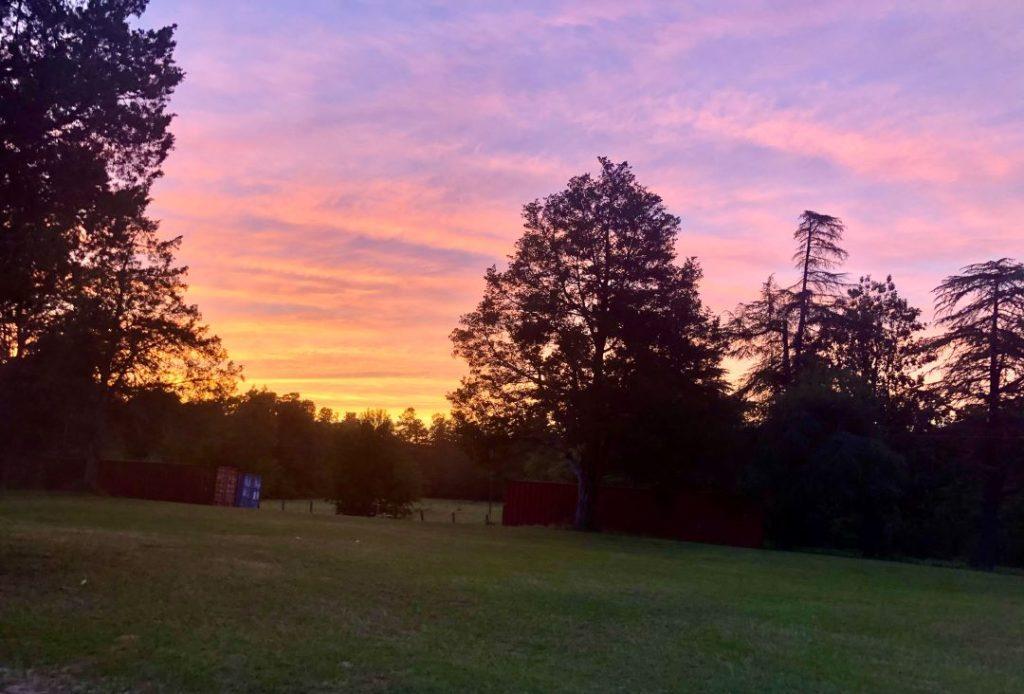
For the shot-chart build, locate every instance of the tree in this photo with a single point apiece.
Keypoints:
(761, 331)
(591, 296)
(83, 99)
(372, 471)
(872, 340)
(88, 287)
(778, 331)
(411, 428)
(982, 312)
(131, 315)
(827, 475)
(817, 256)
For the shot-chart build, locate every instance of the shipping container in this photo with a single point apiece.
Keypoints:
(247, 494)
(226, 486)
(156, 481)
(692, 515)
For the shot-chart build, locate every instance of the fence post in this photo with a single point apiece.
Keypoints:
(453, 517)
(311, 506)
(421, 516)
(282, 504)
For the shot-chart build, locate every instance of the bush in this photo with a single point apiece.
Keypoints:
(373, 474)
(828, 476)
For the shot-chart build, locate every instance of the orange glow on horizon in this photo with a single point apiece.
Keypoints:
(343, 176)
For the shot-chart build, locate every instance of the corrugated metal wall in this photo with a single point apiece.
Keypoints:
(157, 481)
(225, 486)
(690, 515)
(144, 480)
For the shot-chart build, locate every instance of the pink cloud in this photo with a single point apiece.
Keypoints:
(344, 174)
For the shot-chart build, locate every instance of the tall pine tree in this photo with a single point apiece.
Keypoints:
(982, 312)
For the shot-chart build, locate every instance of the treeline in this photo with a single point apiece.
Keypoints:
(368, 462)
(590, 355)
(101, 354)
(856, 428)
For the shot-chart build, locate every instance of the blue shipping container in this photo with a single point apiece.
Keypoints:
(247, 494)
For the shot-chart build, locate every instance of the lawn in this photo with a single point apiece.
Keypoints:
(114, 593)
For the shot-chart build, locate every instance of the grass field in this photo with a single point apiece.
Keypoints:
(115, 594)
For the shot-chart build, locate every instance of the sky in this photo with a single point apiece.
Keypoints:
(345, 172)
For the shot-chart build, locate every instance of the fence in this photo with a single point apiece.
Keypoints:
(448, 511)
(689, 515)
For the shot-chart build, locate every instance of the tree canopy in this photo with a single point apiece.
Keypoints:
(92, 300)
(592, 303)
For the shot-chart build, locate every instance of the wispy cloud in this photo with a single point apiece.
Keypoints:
(346, 171)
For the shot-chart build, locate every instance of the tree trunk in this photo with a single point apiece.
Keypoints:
(95, 449)
(586, 493)
(5, 466)
(787, 368)
(986, 552)
(801, 323)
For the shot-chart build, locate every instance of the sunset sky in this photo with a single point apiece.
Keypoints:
(345, 171)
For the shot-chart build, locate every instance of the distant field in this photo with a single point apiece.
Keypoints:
(115, 594)
(434, 510)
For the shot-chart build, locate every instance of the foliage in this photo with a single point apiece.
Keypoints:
(873, 340)
(817, 256)
(780, 332)
(92, 302)
(372, 474)
(591, 296)
(982, 311)
(410, 428)
(82, 101)
(830, 478)
(761, 332)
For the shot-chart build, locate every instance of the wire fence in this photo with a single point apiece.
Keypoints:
(424, 511)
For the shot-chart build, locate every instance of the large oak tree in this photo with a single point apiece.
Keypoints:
(92, 300)
(83, 99)
(593, 304)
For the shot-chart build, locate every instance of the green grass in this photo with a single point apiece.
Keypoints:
(117, 593)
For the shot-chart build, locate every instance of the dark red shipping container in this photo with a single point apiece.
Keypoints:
(157, 481)
(694, 516)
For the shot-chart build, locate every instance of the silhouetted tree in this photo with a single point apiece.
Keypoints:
(131, 315)
(872, 339)
(982, 312)
(591, 295)
(761, 331)
(83, 98)
(442, 430)
(373, 474)
(301, 449)
(828, 477)
(445, 469)
(410, 428)
(817, 256)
